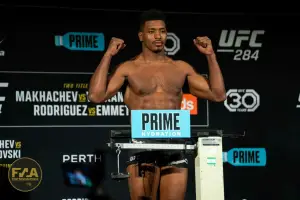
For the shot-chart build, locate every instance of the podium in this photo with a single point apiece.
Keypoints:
(205, 144)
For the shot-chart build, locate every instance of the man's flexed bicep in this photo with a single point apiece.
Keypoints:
(115, 81)
(110, 86)
(199, 86)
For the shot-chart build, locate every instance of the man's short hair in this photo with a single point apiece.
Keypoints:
(150, 15)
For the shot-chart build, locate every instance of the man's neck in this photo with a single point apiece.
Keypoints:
(150, 56)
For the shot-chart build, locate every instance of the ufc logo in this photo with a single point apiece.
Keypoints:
(175, 47)
(2, 98)
(132, 158)
(235, 38)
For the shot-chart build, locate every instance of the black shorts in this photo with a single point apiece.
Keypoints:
(160, 158)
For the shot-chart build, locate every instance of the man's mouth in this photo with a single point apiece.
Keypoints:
(158, 43)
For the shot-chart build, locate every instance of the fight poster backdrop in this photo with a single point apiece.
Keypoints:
(65, 103)
(47, 57)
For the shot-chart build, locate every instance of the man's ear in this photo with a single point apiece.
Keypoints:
(140, 34)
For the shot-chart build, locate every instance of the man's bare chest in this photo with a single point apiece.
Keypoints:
(147, 79)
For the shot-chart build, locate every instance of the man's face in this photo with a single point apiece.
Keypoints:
(154, 35)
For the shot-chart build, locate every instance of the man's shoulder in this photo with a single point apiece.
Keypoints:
(125, 65)
(182, 64)
(129, 63)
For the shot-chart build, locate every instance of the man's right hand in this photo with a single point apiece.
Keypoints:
(115, 45)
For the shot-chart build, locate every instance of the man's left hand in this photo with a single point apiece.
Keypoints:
(204, 45)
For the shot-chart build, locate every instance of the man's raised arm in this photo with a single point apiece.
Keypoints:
(100, 89)
(214, 89)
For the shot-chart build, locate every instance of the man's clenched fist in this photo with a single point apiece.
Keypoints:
(114, 46)
(204, 45)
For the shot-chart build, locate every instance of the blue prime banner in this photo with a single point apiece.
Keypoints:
(81, 41)
(160, 124)
(253, 157)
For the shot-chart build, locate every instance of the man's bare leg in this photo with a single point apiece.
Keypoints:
(144, 187)
(173, 183)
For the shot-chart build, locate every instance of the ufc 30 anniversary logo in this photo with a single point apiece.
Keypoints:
(25, 174)
(242, 100)
(245, 44)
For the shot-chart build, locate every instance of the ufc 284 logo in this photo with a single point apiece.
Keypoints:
(242, 100)
(234, 40)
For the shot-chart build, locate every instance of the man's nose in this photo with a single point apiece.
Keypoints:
(157, 35)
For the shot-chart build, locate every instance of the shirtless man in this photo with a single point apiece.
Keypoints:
(155, 81)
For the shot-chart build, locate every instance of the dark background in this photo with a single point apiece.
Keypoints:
(29, 46)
